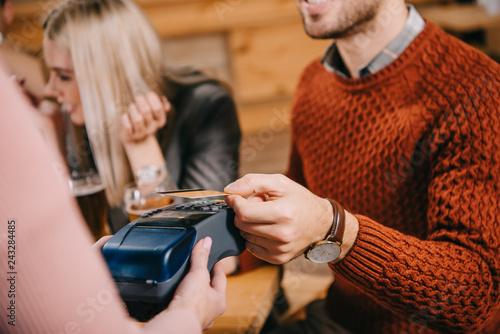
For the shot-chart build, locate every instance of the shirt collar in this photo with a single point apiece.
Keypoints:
(414, 25)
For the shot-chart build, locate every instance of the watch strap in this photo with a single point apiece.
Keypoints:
(338, 226)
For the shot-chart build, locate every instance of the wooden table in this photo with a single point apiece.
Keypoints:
(250, 298)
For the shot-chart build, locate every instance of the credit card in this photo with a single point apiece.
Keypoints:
(193, 193)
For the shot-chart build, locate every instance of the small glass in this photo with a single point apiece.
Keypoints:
(138, 203)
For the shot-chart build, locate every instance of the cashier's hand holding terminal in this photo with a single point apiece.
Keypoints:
(280, 220)
(101, 242)
(207, 301)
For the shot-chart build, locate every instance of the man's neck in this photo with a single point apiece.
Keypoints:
(359, 49)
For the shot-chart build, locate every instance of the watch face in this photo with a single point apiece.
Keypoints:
(324, 252)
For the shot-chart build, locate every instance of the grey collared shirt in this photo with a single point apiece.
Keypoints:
(414, 26)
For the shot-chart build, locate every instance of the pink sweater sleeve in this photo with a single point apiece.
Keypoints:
(52, 281)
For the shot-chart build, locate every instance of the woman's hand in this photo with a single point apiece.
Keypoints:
(199, 293)
(144, 117)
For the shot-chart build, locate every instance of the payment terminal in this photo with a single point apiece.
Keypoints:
(149, 257)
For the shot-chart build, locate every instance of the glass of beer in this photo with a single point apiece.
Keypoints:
(137, 203)
(89, 191)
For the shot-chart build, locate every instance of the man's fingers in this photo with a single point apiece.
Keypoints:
(256, 211)
(247, 211)
(258, 198)
(249, 184)
(261, 252)
(268, 236)
(269, 254)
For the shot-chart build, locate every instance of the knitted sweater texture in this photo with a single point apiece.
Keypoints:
(414, 152)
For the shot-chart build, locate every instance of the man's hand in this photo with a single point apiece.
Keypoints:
(278, 218)
(144, 117)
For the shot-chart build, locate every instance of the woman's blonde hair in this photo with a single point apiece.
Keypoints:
(116, 55)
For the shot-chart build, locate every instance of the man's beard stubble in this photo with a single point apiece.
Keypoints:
(351, 25)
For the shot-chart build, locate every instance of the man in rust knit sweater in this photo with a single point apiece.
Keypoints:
(399, 123)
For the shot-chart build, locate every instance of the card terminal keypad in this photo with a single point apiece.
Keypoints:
(204, 206)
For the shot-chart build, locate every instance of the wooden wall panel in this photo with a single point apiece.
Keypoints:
(267, 61)
(193, 17)
(188, 17)
(273, 116)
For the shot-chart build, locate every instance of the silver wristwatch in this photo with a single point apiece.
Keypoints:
(329, 250)
(150, 175)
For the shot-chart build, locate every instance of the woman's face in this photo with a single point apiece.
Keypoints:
(62, 82)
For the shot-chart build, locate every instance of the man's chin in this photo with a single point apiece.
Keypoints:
(317, 35)
(323, 31)
(313, 29)
(319, 32)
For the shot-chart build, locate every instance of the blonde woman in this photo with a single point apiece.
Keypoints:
(105, 58)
